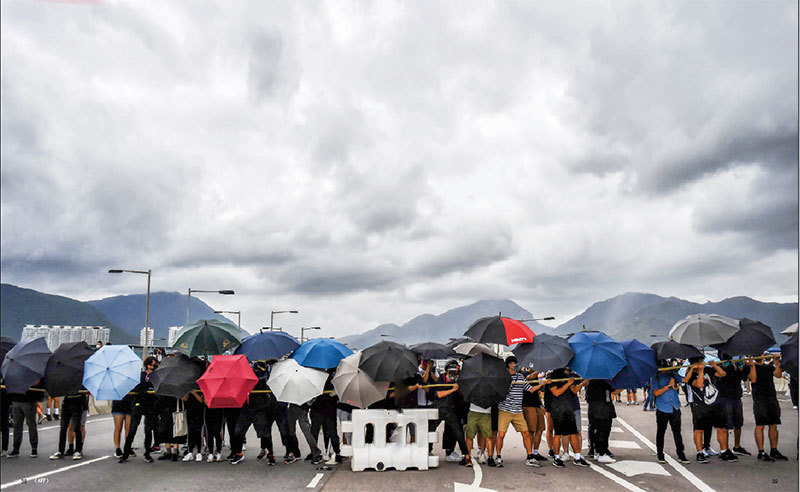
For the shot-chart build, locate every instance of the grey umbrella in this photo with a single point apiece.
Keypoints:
(24, 365)
(545, 353)
(704, 329)
(790, 330)
(469, 349)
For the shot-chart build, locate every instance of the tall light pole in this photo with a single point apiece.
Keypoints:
(272, 317)
(548, 318)
(146, 309)
(303, 329)
(189, 298)
(238, 313)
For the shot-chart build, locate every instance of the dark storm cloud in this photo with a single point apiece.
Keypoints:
(336, 279)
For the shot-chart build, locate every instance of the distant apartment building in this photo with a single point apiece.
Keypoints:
(55, 335)
(173, 335)
(146, 337)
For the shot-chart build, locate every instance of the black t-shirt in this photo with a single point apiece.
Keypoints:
(730, 385)
(706, 395)
(532, 399)
(598, 391)
(565, 401)
(764, 387)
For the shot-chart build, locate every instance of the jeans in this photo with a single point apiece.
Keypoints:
(25, 411)
(70, 415)
(299, 414)
(674, 421)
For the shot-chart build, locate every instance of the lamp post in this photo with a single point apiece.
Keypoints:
(548, 318)
(238, 313)
(303, 329)
(147, 306)
(189, 298)
(272, 317)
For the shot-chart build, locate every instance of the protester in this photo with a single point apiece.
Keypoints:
(323, 416)
(730, 398)
(601, 414)
(565, 426)
(649, 403)
(298, 415)
(766, 410)
(534, 417)
(52, 403)
(71, 409)
(195, 410)
(142, 407)
(254, 412)
(446, 403)
(664, 386)
(631, 395)
(546, 402)
(71, 436)
(706, 409)
(164, 408)
(214, 422)
(121, 413)
(23, 409)
(5, 413)
(479, 419)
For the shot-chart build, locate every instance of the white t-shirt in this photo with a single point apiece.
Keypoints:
(475, 408)
(422, 398)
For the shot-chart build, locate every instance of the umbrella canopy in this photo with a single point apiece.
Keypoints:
(292, 383)
(496, 329)
(789, 356)
(227, 381)
(321, 353)
(176, 376)
(790, 330)
(597, 355)
(703, 329)
(207, 337)
(753, 338)
(641, 366)
(484, 380)
(6, 344)
(354, 386)
(268, 345)
(545, 353)
(431, 351)
(388, 361)
(111, 372)
(707, 357)
(474, 348)
(671, 349)
(453, 342)
(24, 364)
(64, 372)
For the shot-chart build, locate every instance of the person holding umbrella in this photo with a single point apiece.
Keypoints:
(706, 409)
(23, 409)
(142, 407)
(601, 414)
(71, 409)
(664, 386)
(730, 396)
(766, 410)
(445, 402)
(562, 412)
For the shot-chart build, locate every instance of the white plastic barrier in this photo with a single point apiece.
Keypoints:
(407, 443)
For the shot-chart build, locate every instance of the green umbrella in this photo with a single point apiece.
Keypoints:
(207, 337)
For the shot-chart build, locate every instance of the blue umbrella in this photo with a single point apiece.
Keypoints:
(321, 353)
(111, 372)
(24, 364)
(597, 355)
(266, 346)
(641, 365)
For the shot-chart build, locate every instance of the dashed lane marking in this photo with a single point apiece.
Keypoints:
(616, 479)
(632, 468)
(314, 481)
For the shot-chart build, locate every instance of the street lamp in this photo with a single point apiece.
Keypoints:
(147, 306)
(272, 317)
(238, 313)
(189, 298)
(548, 318)
(303, 329)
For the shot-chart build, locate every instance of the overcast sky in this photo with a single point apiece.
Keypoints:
(367, 162)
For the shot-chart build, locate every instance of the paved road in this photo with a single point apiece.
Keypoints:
(631, 441)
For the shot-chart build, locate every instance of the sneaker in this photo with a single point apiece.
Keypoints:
(701, 458)
(118, 453)
(210, 458)
(309, 457)
(49, 418)
(482, 458)
(218, 457)
(56, 456)
(558, 463)
(661, 458)
(147, 458)
(610, 454)
(762, 456)
(531, 461)
(499, 462)
(164, 457)
(683, 459)
(727, 455)
(551, 454)
(539, 457)
(34, 454)
(156, 449)
(490, 462)
(261, 455)
(453, 457)
(3, 452)
(709, 451)
(604, 458)
(77, 455)
(41, 419)
(742, 451)
(13, 454)
(188, 457)
(70, 451)
(132, 453)
(174, 456)
(199, 457)
(230, 456)
(316, 460)
(776, 455)
(289, 460)
(340, 458)
(271, 460)
(237, 459)
(580, 462)
(466, 461)
(55, 417)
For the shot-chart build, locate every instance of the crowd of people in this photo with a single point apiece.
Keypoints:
(537, 405)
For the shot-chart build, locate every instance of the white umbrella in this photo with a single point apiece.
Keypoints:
(354, 386)
(791, 330)
(474, 348)
(292, 383)
(704, 329)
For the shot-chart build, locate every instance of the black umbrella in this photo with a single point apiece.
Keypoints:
(674, 350)
(176, 376)
(64, 372)
(484, 380)
(388, 361)
(6, 344)
(431, 351)
(545, 353)
(789, 356)
(24, 365)
(497, 329)
(454, 342)
(753, 338)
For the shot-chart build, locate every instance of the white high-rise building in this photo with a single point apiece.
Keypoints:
(173, 335)
(55, 335)
(146, 337)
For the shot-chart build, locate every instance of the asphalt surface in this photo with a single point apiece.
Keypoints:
(632, 437)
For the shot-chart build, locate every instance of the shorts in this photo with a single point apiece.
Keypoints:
(478, 422)
(767, 412)
(121, 407)
(534, 417)
(732, 411)
(564, 423)
(704, 418)
(516, 419)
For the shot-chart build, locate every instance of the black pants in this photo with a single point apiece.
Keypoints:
(451, 422)
(70, 415)
(25, 411)
(599, 432)
(674, 421)
(138, 412)
(257, 418)
(328, 426)
(213, 419)
(5, 411)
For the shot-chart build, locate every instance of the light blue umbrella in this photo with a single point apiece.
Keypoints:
(321, 353)
(708, 357)
(597, 355)
(112, 372)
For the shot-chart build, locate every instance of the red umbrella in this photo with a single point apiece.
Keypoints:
(496, 329)
(227, 381)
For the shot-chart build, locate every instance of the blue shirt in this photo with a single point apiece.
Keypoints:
(668, 402)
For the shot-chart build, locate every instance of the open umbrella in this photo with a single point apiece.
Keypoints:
(321, 353)
(597, 355)
(388, 361)
(292, 383)
(453, 342)
(641, 366)
(496, 329)
(6, 344)
(484, 380)
(354, 386)
(469, 349)
(24, 364)
(545, 353)
(753, 338)
(227, 381)
(707, 357)
(789, 356)
(207, 337)
(790, 330)
(176, 376)
(111, 372)
(671, 349)
(431, 351)
(64, 372)
(703, 329)
(268, 345)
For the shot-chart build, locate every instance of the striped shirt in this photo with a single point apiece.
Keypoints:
(513, 401)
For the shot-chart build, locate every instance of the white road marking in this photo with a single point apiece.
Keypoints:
(616, 444)
(40, 429)
(314, 481)
(618, 480)
(41, 475)
(632, 468)
(617, 429)
(475, 486)
(691, 477)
